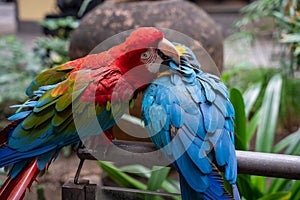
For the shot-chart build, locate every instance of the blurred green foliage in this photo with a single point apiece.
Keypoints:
(18, 67)
(20, 64)
(63, 26)
(281, 20)
(245, 78)
(157, 179)
(257, 132)
(266, 100)
(51, 51)
(40, 192)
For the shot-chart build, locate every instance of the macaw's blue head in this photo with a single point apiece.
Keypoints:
(188, 61)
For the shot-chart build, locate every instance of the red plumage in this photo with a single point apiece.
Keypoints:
(94, 77)
(15, 188)
(109, 66)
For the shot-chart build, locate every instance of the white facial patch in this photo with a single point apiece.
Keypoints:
(153, 67)
(152, 60)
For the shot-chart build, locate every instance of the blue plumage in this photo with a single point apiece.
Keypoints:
(199, 131)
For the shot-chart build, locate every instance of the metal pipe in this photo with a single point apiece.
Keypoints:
(253, 163)
(268, 164)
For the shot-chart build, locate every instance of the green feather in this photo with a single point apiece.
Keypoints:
(63, 102)
(108, 105)
(61, 117)
(21, 138)
(66, 99)
(65, 67)
(35, 133)
(64, 124)
(50, 77)
(45, 101)
(36, 119)
(69, 128)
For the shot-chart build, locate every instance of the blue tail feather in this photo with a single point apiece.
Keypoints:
(215, 191)
(235, 192)
(10, 156)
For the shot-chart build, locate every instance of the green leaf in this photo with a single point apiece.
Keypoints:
(269, 109)
(295, 190)
(158, 175)
(259, 183)
(171, 186)
(291, 142)
(40, 193)
(278, 196)
(252, 125)
(250, 97)
(240, 119)
(120, 177)
(246, 188)
(139, 170)
(278, 184)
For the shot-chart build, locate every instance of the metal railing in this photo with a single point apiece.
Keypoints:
(252, 163)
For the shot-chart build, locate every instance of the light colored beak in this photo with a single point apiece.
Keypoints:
(167, 48)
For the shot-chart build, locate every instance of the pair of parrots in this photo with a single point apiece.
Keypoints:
(185, 110)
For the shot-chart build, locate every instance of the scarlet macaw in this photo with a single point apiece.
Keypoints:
(36, 136)
(189, 117)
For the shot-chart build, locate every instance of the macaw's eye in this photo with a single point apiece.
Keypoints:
(146, 55)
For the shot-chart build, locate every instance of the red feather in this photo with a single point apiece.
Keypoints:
(15, 188)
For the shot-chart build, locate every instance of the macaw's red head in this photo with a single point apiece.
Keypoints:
(129, 66)
(144, 46)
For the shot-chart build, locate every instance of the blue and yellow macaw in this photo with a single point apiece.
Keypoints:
(189, 117)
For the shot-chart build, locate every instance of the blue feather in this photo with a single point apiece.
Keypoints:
(18, 167)
(48, 87)
(44, 159)
(225, 155)
(176, 115)
(20, 115)
(197, 155)
(196, 93)
(210, 120)
(26, 104)
(33, 84)
(195, 178)
(235, 191)
(209, 93)
(11, 156)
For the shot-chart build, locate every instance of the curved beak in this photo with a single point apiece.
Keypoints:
(168, 49)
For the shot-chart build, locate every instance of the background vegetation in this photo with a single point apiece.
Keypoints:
(266, 98)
